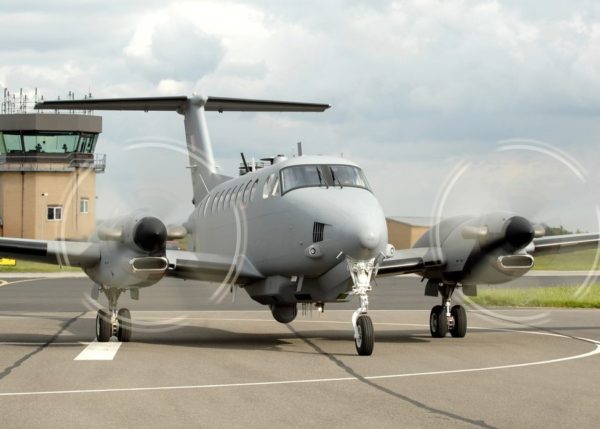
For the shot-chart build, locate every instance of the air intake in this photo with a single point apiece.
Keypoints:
(318, 228)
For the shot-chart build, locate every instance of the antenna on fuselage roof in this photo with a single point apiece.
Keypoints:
(202, 164)
(245, 163)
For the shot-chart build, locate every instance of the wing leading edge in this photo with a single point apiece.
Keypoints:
(68, 253)
(414, 260)
(564, 243)
(209, 267)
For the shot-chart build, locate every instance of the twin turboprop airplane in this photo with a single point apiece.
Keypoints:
(303, 230)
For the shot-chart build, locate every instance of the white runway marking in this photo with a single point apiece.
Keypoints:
(594, 352)
(99, 351)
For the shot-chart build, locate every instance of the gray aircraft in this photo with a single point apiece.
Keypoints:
(303, 230)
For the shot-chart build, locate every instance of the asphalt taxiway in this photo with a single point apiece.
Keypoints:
(197, 363)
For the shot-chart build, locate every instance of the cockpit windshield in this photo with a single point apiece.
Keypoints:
(303, 176)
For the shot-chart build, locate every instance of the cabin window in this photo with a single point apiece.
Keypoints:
(253, 190)
(215, 201)
(221, 201)
(202, 206)
(226, 202)
(232, 198)
(239, 195)
(207, 204)
(246, 197)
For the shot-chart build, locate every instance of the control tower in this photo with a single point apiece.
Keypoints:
(48, 173)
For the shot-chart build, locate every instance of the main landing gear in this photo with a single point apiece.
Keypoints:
(364, 338)
(447, 318)
(113, 322)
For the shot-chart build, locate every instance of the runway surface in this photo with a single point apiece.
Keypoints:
(196, 363)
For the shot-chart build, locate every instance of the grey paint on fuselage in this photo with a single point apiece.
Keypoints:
(276, 231)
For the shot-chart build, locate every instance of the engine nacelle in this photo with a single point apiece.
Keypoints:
(146, 234)
(481, 249)
(132, 252)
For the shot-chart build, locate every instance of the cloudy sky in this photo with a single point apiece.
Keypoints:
(449, 106)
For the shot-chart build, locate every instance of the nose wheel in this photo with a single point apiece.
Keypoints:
(364, 340)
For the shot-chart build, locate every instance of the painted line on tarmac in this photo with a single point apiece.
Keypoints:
(99, 351)
(16, 343)
(594, 352)
(7, 283)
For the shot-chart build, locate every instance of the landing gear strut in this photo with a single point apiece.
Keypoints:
(361, 272)
(447, 318)
(113, 322)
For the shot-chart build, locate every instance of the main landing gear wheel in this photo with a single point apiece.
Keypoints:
(103, 326)
(365, 339)
(124, 319)
(459, 328)
(438, 322)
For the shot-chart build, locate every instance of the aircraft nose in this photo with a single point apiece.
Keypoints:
(369, 239)
(365, 234)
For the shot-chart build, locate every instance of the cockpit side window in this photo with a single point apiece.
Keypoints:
(301, 176)
(276, 190)
(267, 186)
(348, 175)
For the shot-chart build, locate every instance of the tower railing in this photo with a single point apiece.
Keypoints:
(40, 161)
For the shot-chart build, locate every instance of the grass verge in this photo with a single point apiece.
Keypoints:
(575, 261)
(555, 296)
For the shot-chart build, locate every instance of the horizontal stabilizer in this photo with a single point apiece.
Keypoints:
(217, 104)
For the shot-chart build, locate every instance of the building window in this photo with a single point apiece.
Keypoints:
(83, 205)
(55, 213)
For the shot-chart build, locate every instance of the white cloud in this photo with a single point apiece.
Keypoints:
(416, 85)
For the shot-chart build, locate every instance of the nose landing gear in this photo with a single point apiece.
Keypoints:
(447, 318)
(364, 338)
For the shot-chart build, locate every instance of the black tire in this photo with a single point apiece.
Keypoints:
(103, 326)
(366, 341)
(459, 330)
(125, 328)
(438, 322)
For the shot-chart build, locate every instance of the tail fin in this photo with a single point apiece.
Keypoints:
(203, 168)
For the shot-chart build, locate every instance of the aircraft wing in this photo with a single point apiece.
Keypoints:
(69, 253)
(564, 243)
(412, 260)
(210, 267)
